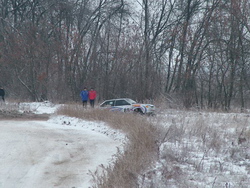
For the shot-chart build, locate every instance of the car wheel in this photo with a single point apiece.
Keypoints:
(138, 111)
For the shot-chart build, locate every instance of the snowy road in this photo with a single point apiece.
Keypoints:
(41, 154)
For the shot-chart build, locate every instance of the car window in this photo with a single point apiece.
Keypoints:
(121, 103)
(107, 104)
(131, 101)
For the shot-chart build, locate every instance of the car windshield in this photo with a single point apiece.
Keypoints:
(131, 101)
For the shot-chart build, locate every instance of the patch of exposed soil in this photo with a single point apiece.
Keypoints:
(6, 115)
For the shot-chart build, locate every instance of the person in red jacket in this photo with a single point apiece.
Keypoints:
(92, 96)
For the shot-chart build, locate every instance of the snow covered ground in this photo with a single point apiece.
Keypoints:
(59, 152)
(198, 149)
(203, 150)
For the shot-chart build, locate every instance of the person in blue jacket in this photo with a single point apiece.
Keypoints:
(84, 95)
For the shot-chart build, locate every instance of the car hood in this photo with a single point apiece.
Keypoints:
(139, 104)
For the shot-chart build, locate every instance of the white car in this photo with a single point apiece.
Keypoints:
(128, 105)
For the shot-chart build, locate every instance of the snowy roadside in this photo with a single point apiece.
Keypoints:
(59, 152)
(203, 150)
(49, 108)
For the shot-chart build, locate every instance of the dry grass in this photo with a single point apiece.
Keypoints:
(16, 111)
(9, 107)
(136, 156)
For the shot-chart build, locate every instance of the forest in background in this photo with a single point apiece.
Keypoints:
(193, 51)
